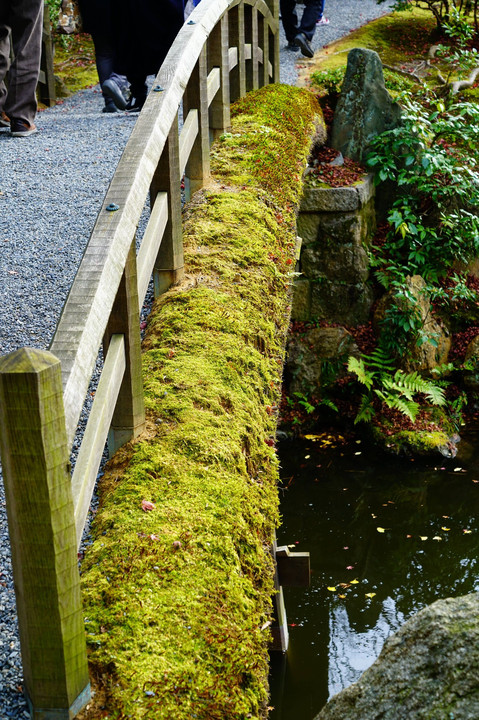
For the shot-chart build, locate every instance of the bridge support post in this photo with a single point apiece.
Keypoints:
(292, 570)
(129, 416)
(237, 40)
(41, 524)
(169, 265)
(218, 57)
(196, 96)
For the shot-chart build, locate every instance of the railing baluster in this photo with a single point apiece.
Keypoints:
(237, 40)
(42, 534)
(251, 32)
(218, 57)
(129, 416)
(196, 96)
(169, 262)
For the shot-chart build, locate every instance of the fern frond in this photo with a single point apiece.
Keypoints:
(406, 407)
(366, 410)
(380, 360)
(356, 366)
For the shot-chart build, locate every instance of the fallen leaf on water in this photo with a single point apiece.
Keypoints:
(332, 588)
(147, 505)
(467, 532)
(358, 453)
(436, 537)
(380, 529)
(423, 537)
(409, 536)
(370, 595)
(342, 596)
(458, 470)
(475, 481)
(354, 582)
(445, 529)
(350, 567)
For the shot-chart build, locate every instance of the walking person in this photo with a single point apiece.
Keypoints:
(300, 34)
(322, 19)
(21, 25)
(97, 19)
(145, 31)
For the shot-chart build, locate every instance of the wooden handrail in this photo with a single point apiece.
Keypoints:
(224, 49)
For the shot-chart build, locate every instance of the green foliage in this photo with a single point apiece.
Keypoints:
(442, 11)
(432, 161)
(329, 80)
(54, 7)
(396, 391)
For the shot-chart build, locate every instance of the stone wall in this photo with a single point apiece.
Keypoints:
(335, 225)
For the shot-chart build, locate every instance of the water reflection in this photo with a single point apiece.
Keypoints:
(386, 537)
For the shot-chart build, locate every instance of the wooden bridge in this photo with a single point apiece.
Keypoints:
(225, 48)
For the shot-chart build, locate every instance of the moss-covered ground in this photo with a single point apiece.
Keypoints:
(177, 584)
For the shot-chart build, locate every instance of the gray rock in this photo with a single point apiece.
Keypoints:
(429, 670)
(365, 108)
(308, 354)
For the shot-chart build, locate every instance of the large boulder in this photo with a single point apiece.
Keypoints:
(429, 670)
(428, 355)
(365, 109)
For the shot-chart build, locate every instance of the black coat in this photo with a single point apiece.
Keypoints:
(146, 30)
(142, 31)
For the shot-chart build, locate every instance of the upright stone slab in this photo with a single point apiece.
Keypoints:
(365, 108)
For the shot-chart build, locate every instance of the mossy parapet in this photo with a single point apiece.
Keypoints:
(177, 584)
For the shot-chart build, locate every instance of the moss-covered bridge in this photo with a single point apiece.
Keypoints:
(177, 584)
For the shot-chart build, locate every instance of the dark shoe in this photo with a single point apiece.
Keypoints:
(304, 45)
(4, 120)
(110, 106)
(112, 90)
(19, 128)
(135, 105)
(292, 46)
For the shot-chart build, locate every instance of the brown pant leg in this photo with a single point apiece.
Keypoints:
(26, 22)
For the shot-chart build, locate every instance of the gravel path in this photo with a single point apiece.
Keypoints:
(51, 189)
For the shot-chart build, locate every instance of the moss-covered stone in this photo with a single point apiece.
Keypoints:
(177, 597)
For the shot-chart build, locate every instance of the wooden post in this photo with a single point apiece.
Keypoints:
(169, 265)
(263, 39)
(237, 40)
(196, 97)
(41, 524)
(46, 84)
(129, 417)
(274, 44)
(292, 570)
(251, 34)
(218, 57)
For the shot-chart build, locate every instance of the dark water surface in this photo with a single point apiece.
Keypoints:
(404, 530)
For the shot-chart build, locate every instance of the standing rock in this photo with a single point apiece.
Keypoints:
(365, 109)
(429, 670)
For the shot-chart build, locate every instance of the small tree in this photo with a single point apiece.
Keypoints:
(441, 9)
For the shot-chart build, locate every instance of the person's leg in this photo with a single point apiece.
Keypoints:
(26, 26)
(289, 18)
(4, 50)
(307, 26)
(106, 64)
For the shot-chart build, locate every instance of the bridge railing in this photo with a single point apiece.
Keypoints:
(224, 49)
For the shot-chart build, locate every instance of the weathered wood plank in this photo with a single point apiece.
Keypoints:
(196, 96)
(129, 417)
(213, 84)
(251, 57)
(188, 135)
(169, 262)
(218, 57)
(150, 244)
(41, 525)
(237, 40)
(96, 432)
(293, 567)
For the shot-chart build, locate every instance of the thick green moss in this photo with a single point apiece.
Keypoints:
(178, 598)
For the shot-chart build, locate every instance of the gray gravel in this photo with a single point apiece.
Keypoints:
(51, 188)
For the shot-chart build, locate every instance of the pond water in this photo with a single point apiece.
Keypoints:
(387, 536)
